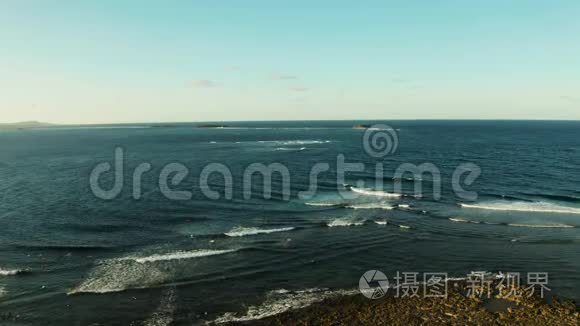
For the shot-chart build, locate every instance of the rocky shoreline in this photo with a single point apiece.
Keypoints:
(457, 309)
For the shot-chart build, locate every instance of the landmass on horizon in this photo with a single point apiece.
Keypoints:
(32, 124)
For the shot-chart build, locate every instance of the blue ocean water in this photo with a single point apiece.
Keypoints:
(68, 257)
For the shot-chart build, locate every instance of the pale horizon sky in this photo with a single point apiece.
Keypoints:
(74, 62)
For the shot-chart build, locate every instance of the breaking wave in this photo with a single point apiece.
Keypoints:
(538, 207)
(345, 222)
(327, 204)
(294, 142)
(11, 272)
(376, 193)
(371, 206)
(242, 232)
(120, 274)
(382, 222)
(179, 255)
(291, 149)
(280, 301)
(462, 220)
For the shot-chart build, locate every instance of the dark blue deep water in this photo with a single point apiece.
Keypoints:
(70, 258)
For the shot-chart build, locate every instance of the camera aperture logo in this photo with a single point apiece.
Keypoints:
(373, 284)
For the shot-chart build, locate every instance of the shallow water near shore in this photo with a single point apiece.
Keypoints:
(69, 257)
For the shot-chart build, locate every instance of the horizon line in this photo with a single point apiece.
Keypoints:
(286, 120)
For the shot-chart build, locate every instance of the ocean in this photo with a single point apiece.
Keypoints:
(70, 257)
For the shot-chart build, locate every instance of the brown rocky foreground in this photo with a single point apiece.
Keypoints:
(456, 309)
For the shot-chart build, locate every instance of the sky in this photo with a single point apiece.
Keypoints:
(119, 61)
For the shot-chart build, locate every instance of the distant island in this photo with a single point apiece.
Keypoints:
(211, 126)
(36, 124)
(25, 125)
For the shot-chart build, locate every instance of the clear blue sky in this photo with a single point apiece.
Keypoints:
(137, 61)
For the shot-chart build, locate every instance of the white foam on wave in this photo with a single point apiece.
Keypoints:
(242, 231)
(326, 204)
(404, 226)
(3, 292)
(135, 272)
(542, 225)
(179, 255)
(120, 275)
(405, 206)
(462, 220)
(344, 222)
(305, 142)
(371, 206)
(538, 207)
(294, 142)
(280, 301)
(376, 193)
(10, 272)
(289, 149)
(382, 222)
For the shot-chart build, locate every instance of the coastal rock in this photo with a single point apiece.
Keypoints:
(456, 309)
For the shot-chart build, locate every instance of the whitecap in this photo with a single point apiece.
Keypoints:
(179, 255)
(518, 206)
(371, 206)
(242, 231)
(376, 193)
(344, 222)
(382, 222)
(297, 149)
(10, 272)
(294, 142)
(462, 220)
(305, 142)
(404, 226)
(326, 204)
